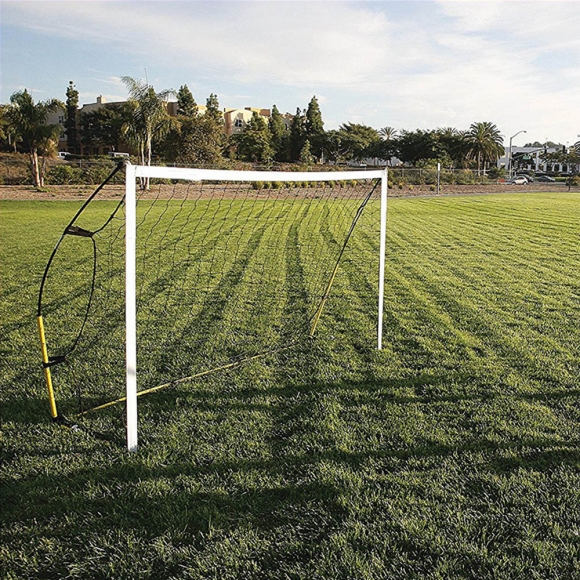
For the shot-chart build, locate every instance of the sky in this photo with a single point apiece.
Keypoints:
(414, 64)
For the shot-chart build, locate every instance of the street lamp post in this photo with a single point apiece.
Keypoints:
(510, 153)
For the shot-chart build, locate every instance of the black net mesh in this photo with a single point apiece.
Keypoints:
(226, 272)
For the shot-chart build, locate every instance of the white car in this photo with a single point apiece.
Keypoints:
(518, 181)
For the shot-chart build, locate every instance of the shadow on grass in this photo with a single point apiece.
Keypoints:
(179, 499)
(297, 494)
(288, 489)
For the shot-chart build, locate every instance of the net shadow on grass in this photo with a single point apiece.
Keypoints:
(292, 490)
(268, 494)
(294, 410)
(194, 335)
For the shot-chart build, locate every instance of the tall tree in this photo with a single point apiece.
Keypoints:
(255, 143)
(419, 145)
(186, 105)
(297, 135)
(193, 141)
(278, 134)
(105, 126)
(306, 157)
(72, 103)
(484, 144)
(7, 135)
(454, 144)
(215, 120)
(358, 141)
(387, 148)
(314, 127)
(149, 117)
(388, 133)
(213, 110)
(334, 147)
(29, 120)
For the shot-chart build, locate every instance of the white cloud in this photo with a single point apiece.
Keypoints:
(287, 42)
(112, 80)
(409, 64)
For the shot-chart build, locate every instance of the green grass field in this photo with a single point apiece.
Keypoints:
(453, 453)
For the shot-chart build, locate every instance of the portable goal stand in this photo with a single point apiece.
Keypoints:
(146, 172)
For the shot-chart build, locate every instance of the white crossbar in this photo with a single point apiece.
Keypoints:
(190, 174)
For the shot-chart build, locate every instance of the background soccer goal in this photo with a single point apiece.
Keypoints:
(198, 273)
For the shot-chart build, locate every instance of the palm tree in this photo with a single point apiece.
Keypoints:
(387, 133)
(28, 120)
(455, 144)
(484, 144)
(149, 118)
(388, 146)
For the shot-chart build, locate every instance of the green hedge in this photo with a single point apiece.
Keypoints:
(87, 174)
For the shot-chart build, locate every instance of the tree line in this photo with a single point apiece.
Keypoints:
(193, 137)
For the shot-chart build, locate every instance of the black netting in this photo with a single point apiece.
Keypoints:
(226, 272)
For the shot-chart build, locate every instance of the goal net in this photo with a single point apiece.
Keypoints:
(206, 270)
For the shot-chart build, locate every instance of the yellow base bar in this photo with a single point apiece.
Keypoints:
(47, 375)
(189, 378)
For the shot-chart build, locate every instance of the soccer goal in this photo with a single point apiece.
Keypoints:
(194, 272)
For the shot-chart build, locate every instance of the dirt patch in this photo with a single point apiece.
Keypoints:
(82, 192)
(58, 192)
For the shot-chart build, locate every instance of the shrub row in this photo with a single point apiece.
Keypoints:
(300, 184)
(428, 176)
(92, 174)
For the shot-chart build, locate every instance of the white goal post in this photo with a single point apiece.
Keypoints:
(135, 172)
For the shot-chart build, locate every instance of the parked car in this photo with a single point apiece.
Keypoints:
(528, 178)
(519, 180)
(62, 154)
(545, 179)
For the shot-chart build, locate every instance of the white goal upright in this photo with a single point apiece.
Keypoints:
(146, 173)
(194, 272)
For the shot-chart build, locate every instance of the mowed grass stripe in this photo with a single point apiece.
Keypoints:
(496, 283)
(446, 286)
(444, 456)
(505, 277)
(489, 332)
(514, 228)
(478, 244)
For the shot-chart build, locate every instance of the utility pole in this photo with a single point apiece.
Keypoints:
(510, 153)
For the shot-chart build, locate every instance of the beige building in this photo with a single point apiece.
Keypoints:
(235, 120)
(58, 117)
